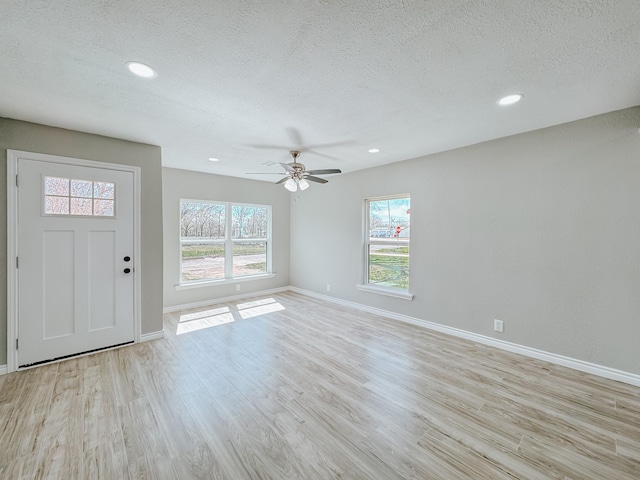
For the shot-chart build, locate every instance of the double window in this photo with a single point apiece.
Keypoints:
(388, 232)
(220, 240)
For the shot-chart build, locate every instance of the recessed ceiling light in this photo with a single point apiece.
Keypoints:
(510, 99)
(141, 70)
(213, 159)
(373, 150)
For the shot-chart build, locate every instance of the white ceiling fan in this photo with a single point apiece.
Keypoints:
(297, 176)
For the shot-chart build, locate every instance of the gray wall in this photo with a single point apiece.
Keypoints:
(201, 186)
(541, 230)
(31, 137)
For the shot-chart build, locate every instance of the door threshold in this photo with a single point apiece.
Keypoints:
(74, 355)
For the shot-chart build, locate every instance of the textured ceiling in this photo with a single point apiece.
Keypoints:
(336, 77)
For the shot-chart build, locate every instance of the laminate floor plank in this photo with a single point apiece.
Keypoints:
(564, 462)
(629, 449)
(286, 387)
(211, 429)
(456, 455)
(107, 460)
(30, 412)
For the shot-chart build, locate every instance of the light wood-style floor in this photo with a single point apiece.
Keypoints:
(290, 387)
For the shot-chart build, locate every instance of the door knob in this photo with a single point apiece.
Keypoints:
(127, 270)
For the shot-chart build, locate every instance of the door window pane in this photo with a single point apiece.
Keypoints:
(64, 196)
(103, 190)
(80, 206)
(56, 186)
(56, 205)
(103, 208)
(81, 188)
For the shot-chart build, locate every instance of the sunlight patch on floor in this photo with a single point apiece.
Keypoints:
(187, 317)
(259, 307)
(214, 317)
(191, 322)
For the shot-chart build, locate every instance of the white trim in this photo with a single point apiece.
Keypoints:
(581, 365)
(389, 292)
(147, 337)
(12, 239)
(224, 281)
(12, 271)
(137, 252)
(215, 301)
(3, 370)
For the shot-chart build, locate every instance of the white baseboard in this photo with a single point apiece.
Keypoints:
(215, 301)
(3, 370)
(147, 337)
(599, 370)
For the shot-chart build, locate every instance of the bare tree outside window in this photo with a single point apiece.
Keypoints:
(208, 253)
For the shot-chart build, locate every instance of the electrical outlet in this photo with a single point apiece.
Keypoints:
(237, 287)
(328, 287)
(498, 325)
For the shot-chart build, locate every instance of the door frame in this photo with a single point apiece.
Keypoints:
(12, 241)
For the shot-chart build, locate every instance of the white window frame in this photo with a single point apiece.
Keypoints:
(228, 241)
(368, 241)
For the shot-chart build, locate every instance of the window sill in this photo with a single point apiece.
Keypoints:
(389, 292)
(225, 281)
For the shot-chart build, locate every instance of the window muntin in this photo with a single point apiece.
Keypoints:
(68, 196)
(388, 232)
(220, 240)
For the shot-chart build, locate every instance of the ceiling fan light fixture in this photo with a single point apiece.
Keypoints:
(297, 177)
(303, 184)
(291, 185)
(373, 150)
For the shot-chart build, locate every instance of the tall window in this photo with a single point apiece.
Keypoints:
(223, 240)
(388, 231)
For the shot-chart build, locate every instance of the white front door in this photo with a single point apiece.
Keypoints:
(75, 259)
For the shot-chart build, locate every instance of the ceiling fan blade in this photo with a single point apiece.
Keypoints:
(331, 144)
(295, 137)
(282, 180)
(316, 179)
(327, 171)
(265, 173)
(320, 154)
(287, 167)
(269, 147)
